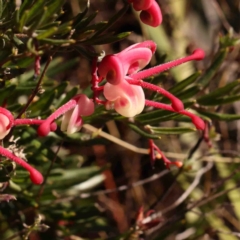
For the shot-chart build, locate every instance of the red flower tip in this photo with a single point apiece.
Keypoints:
(198, 122)
(177, 104)
(53, 127)
(178, 164)
(44, 129)
(152, 16)
(35, 176)
(198, 54)
(111, 69)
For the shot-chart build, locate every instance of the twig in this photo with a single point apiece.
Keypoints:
(201, 202)
(116, 140)
(221, 15)
(183, 196)
(35, 91)
(118, 189)
(129, 146)
(48, 172)
(195, 147)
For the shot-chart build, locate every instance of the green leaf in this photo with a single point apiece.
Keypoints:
(49, 32)
(178, 87)
(167, 130)
(107, 39)
(53, 10)
(44, 102)
(220, 101)
(80, 26)
(77, 20)
(24, 6)
(58, 41)
(64, 28)
(94, 27)
(228, 41)
(37, 22)
(23, 20)
(21, 63)
(6, 92)
(70, 94)
(211, 71)
(48, 25)
(113, 20)
(36, 10)
(189, 92)
(218, 92)
(220, 116)
(53, 68)
(142, 133)
(61, 88)
(157, 116)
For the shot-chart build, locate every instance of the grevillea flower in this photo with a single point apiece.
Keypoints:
(6, 122)
(78, 106)
(128, 100)
(72, 120)
(123, 90)
(124, 81)
(150, 11)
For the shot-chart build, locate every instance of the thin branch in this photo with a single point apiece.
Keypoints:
(183, 196)
(48, 172)
(221, 15)
(116, 140)
(129, 146)
(35, 91)
(201, 202)
(195, 148)
(118, 189)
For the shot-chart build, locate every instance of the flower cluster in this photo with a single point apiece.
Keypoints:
(79, 106)
(150, 11)
(124, 88)
(123, 91)
(72, 112)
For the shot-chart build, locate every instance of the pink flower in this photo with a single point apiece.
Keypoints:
(152, 16)
(6, 122)
(151, 12)
(134, 58)
(126, 99)
(124, 81)
(72, 120)
(78, 106)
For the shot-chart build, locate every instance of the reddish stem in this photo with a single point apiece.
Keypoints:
(206, 135)
(95, 81)
(197, 121)
(176, 103)
(153, 147)
(35, 176)
(45, 127)
(198, 54)
(28, 121)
